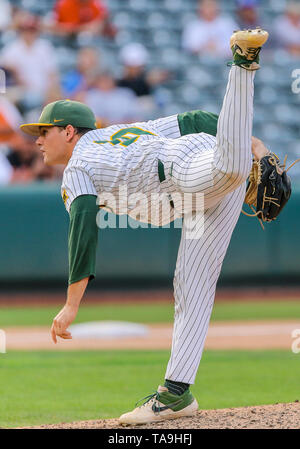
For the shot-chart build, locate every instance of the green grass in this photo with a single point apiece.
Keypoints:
(149, 313)
(46, 387)
(256, 310)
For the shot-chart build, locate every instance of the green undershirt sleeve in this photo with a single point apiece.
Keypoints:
(195, 122)
(83, 237)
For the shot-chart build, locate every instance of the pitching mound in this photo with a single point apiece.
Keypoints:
(279, 416)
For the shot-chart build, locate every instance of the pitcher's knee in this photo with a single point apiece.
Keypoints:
(238, 169)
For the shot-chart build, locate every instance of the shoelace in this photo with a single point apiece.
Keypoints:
(253, 51)
(148, 398)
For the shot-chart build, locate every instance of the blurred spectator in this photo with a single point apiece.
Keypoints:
(6, 15)
(6, 170)
(72, 17)
(10, 119)
(29, 167)
(20, 160)
(287, 29)
(31, 60)
(112, 104)
(247, 14)
(134, 57)
(210, 32)
(19, 151)
(77, 81)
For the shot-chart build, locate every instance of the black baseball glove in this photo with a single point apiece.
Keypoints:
(269, 188)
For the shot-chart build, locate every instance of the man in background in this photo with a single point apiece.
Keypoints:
(32, 62)
(77, 16)
(287, 29)
(209, 32)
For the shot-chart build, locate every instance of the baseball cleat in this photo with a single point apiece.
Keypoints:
(246, 46)
(161, 406)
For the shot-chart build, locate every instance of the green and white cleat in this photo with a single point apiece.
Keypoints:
(161, 406)
(246, 46)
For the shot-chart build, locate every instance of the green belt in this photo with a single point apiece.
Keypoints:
(162, 177)
(161, 171)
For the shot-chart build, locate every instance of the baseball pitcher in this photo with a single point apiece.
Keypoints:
(195, 153)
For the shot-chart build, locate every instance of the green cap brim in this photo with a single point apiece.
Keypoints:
(33, 129)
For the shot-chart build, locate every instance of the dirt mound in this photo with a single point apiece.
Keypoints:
(279, 416)
(273, 334)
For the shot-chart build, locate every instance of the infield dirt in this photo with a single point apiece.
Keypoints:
(278, 416)
(221, 335)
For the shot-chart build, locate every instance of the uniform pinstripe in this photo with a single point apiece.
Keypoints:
(199, 261)
(197, 163)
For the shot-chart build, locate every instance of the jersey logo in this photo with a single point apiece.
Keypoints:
(64, 196)
(125, 136)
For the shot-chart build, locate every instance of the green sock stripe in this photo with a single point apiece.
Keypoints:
(176, 387)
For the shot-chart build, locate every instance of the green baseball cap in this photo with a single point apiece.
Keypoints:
(63, 113)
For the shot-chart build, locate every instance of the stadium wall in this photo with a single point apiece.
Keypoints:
(33, 242)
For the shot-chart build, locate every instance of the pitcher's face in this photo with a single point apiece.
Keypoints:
(52, 144)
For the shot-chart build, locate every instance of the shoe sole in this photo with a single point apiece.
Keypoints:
(187, 411)
(255, 38)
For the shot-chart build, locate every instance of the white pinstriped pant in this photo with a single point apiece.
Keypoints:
(199, 261)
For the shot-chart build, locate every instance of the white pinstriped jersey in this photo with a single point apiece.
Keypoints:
(215, 166)
(120, 162)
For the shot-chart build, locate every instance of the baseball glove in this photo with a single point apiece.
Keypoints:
(269, 188)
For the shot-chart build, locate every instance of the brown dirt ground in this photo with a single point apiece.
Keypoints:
(279, 416)
(221, 335)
